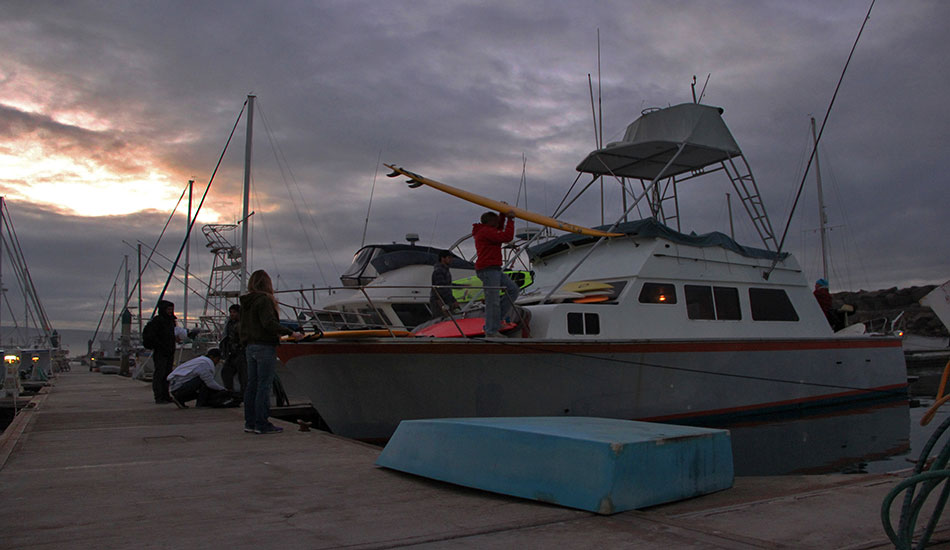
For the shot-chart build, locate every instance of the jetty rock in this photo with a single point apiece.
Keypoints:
(878, 306)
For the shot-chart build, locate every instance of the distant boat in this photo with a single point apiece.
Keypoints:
(655, 324)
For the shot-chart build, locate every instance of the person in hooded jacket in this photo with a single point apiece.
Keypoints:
(163, 355)
(490, 234)
(260, 334)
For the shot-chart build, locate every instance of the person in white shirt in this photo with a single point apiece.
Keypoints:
(194, 379)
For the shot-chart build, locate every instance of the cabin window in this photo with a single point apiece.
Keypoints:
(727, 303)
(718, 302)
(771, 304)
(583, 323)
(658, 293)
(699, 302)
(412, 315)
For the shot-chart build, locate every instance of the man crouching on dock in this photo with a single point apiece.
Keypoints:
(194, 379)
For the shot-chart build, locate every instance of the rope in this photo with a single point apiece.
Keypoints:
(903, 538)
(918, 488)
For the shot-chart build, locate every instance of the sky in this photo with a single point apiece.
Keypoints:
(108, 109)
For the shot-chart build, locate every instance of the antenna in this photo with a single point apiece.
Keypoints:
(371, 192)
(703, 91)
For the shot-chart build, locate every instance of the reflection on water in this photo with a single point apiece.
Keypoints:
(840, 441)
(874, 439)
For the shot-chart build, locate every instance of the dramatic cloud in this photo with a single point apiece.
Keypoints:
(108, 108)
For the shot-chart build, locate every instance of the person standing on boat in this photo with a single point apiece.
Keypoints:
(260, 334)
(441, 299)
(235, 363)
(824, 301)
(159, 336)
(490, 234)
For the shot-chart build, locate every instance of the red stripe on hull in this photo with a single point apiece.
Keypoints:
(777, 404)
(286, 352)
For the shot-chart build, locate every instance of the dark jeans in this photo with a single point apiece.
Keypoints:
(261, 365)
(236, 364)
(205, 396)
(163, 367)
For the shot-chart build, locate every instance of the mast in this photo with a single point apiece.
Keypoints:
(191, 185)
(247, 189)
(822, 219)
(139, 285)
(1, 266)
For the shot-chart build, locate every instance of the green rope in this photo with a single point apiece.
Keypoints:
(918, 488)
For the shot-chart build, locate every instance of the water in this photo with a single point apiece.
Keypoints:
(875, 439)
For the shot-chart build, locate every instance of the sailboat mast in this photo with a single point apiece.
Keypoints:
(247, 189)
(2, 206)
(139, 285)
(822, 219)
(191, 185)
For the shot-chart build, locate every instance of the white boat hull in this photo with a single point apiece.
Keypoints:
(364, 389)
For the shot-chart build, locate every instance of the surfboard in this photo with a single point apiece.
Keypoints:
(536, 297)
(592, 299)
(362, 333)
(470, 326)
(587, 286)
(416, 180)
(470, 288)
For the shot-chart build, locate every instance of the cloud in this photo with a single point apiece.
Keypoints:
(145, 96)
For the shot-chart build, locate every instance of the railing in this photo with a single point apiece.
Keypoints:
(370, 312)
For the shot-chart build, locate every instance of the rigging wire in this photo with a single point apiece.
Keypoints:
(895, 392)
(820, 132)
(282, 164)
(157, 241)
(372, 192)
(848, 240)
(270, 246)
(191, 225)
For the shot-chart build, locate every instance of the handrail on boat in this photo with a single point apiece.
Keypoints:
(328, 320)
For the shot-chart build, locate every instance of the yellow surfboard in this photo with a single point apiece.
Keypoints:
(588, 287)
(491, 204)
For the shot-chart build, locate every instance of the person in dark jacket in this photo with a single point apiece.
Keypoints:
(260, 334)
(441, 299)
(163, 355)
(489, 235)
(824, 300)
(235, 363)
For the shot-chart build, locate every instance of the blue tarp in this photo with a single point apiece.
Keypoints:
(648, 228)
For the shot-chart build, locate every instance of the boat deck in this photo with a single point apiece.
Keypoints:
(95, 464)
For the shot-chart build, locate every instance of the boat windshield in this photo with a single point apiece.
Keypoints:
(357, 274)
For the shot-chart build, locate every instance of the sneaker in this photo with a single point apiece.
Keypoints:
(269, 429)
(248, 429)
(178, 403)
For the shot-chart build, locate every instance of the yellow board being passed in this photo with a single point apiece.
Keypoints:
(499, 206)
(363, 333)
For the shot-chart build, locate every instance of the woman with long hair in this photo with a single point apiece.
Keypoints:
(260, 333)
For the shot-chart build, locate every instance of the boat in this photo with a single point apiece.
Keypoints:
(653, 324)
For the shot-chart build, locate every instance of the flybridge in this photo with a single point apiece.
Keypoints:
(665, 147)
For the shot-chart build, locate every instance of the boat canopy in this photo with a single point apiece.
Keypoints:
(376, 259)
(651, 228)
(653, 139)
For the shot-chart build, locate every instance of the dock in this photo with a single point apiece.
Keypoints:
(94, 463)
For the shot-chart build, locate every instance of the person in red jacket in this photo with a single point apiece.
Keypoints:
(490, 234)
